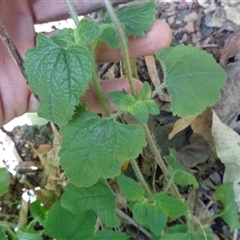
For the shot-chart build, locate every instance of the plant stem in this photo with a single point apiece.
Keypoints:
(99, 92)
(141, 179)
(124, 47)
(72, 11)
(156, 91)
(149, 137)
(159, 159)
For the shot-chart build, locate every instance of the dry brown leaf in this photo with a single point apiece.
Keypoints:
(153, 74)
(230, 48)
(43, 148)
(180, 125)
(228, 150)
(202, 125)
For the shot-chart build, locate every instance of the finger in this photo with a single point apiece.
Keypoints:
(158, 37)
(91, 99)
(47, 11)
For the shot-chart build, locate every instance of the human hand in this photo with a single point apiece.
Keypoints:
(19, 18)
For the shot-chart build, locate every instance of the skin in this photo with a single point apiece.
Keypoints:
(19, 18)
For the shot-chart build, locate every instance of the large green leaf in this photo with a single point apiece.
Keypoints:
(108, 234)
(229, 213)
(99, 198)
(136, 17)
(62, 224)
(130, 188)
(59, 77)
(193, 79)
(93, 147)
(172, 206)
(4, 180)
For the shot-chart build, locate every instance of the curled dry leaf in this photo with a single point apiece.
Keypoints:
(228, 150)
(230, 48)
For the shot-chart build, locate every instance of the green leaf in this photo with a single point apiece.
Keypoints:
(127, 102)
(179, 173)
(140, 213)
(27, 236)
(121, 99)
(229, 213)
(153, 108)
(4, 180)
(38, 211)
(109, 36)
(64, 38)
(86, 32)
(3, 236)
(108, 234)
(64, 225)
(136, 17)
(157, 219)
(145, 92)
(201, 234)
(59, 77)
(98, 197)
(172, 206)
(130, 188)
(139, 110)
(93, 147)
(180, 228)
(193, 78)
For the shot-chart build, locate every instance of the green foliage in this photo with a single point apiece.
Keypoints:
(94, 148)
(172, 206)
(192, 77)
(130, 188)
(62, 77)
(3, 236)
(178, 172)
(62, 224)
(106, 234)
(136, 17)
(4, 180)
(139, 108)
(38, 211)
(99, 197)
(21, 235)
(94, 153)
(225, 195)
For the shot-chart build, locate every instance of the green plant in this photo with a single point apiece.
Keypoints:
(94, 148)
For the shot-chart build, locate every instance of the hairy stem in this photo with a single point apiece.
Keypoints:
(99, 92)
(141, 179)
(149, 137)
(124, 47)
(72, 11)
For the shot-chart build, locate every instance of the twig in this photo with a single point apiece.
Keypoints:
(12, 49)
(129, 220)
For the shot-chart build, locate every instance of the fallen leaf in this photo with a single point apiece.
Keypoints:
(180, 125)
(153, 74)
(228, 150)
(230, 48)
(202, 125)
